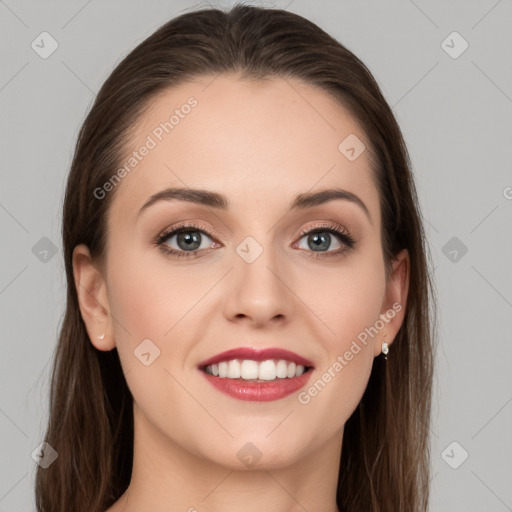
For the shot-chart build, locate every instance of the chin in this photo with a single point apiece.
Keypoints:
(255, 451)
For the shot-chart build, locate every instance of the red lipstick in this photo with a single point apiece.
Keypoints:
(255, 389)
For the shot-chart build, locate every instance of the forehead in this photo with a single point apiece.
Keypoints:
(264, 140)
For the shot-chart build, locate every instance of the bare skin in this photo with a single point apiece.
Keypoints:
(260, 144)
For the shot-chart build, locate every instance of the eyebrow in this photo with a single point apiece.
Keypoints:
(220, 201)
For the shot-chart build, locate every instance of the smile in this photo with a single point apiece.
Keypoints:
(257, 375)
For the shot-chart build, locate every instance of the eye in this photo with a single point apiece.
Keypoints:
(189, 239)
(320, 239)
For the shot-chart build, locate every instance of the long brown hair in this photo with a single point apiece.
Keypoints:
(385, 461)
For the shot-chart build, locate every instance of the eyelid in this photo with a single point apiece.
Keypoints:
(322, 225)
(186, 225)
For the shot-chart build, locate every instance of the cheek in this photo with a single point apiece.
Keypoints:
(347, 300)
(151, 305)
(340, 381)
(149, 295)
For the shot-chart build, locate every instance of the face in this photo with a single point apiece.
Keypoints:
(247, 271)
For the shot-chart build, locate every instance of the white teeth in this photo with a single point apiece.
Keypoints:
(281, 369)
(223, 369)
(248, 369)
(267, 370)
(291, 370)
(233, 369)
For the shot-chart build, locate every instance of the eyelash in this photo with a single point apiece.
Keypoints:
(344, 236)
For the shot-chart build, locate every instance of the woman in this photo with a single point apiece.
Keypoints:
(248, 320)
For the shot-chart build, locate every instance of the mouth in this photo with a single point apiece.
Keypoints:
(257, 375)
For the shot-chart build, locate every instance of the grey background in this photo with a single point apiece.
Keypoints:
(455, 114)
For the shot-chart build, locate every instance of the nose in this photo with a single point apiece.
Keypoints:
(259, 292)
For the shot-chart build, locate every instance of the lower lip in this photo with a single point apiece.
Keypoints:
(258, 391)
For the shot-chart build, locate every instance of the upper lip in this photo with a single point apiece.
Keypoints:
(257, 354)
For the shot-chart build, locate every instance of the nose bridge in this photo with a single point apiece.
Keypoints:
(257, 287)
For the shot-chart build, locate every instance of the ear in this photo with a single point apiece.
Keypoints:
(395, 300)
(92, 297)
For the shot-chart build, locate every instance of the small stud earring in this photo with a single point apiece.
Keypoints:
(101, 336)
(385, 348)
